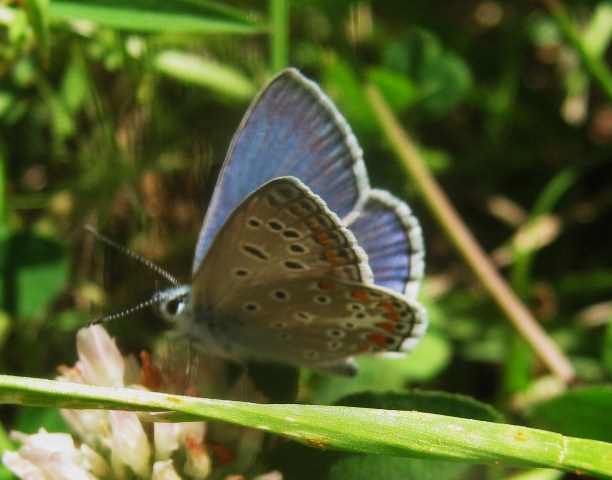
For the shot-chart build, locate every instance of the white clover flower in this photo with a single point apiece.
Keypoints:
(116, 444)
(46, 456)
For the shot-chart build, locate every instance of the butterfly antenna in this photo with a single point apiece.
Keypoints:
(125, 313)
(130, 253)
(156, 299)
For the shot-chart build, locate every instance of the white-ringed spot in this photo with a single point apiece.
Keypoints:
(294, 265)
(280, 295)
(254, 222)
(297, 249)
(322, 299)
(355, 307)
(335, 333)
(274, 225)
(291, 234)
(251, 307)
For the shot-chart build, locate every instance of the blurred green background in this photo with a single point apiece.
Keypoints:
(119, 113)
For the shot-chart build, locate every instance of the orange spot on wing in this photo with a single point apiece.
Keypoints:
(323, 239)
(389, 326)
(393, 316)
(326, 285)
(362, 295)
(378, 338)
(297, 210)
(313, 224)
(332, 256)
(386, 305)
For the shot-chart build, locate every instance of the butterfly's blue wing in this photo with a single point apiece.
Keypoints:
(290, 129)
(293, 129)
(386, 229)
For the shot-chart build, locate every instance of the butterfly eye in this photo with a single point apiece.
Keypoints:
(174, 307)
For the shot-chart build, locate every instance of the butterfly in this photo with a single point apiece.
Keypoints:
(298, 260)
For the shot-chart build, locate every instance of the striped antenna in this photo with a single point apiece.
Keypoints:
(130, 253)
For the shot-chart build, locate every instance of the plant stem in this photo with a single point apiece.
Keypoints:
(279, 38)
(466, 244)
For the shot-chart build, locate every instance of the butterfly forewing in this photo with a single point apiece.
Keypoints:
(293, 129)
(282, 230)
(290, 129)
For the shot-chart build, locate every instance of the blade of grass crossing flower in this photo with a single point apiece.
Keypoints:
(353, 429)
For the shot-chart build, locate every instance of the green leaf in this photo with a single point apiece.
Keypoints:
(34, 269)
(399, 90)
(37, 12)
(597, 281)
(345, 88)
(190, 68)
(584, 412)
(367, 467)
(607, 349)
(3, 183)
(181, 16)
(382, 374)
(365, 430)
(441, 78)
(75, 83)
(30, 419)
(599, 30)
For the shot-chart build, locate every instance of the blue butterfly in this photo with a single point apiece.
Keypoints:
(298, 260)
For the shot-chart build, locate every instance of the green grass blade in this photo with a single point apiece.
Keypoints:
(389, 432)
(193, 69)
(279, 37)
(179, 16)
(39, 20)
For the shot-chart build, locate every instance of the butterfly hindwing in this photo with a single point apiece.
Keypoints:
(391, 235)
(323, 321)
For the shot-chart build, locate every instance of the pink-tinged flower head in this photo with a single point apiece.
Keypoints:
(164, 471)
(47, 456)
(100, 361)
(129, 443)
(117, 445)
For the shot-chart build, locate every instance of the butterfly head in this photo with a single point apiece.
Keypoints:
(173, 304)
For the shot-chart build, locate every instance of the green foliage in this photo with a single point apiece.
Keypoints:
(156, 16)
(577, 413)
(118, 113)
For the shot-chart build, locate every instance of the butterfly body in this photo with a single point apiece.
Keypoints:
(310, 266)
